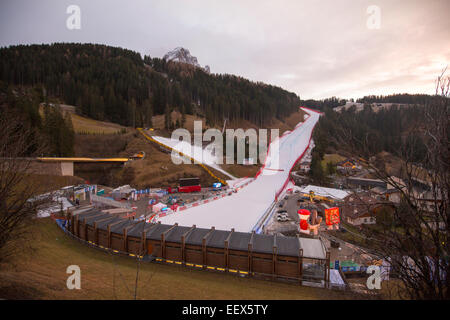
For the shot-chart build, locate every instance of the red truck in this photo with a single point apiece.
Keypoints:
(187, 185)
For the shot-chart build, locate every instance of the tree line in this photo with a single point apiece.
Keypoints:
(52, 131)
(367, 132)
(402, 98)
(118, 85)
(398, 98)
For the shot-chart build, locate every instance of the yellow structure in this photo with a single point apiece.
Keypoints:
(61, 159)
(65, 165)
(312, 196)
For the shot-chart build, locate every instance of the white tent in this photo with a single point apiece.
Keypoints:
(337, 194)
(335, 278)
(158, 207)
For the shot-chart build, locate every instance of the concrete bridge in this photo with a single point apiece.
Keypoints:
(64, 166)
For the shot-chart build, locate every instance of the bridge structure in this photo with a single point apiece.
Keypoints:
(66, 164)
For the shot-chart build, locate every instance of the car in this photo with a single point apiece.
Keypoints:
(282, 218)
(281, 203)
(286, 197)
(334, 244)
(296, 191)
(282, 214)
(282, 211)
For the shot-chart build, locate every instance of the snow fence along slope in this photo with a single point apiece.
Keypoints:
(243, 209)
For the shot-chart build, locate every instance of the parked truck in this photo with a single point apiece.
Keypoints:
(187, 185)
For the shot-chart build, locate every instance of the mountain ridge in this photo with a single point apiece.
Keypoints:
(182, 55)
(118, 85)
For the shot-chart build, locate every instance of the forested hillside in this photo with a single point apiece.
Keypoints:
(385, 130)
(395, 130)
(405, 98)
(332, 102)
(118, 85)
(50, 132)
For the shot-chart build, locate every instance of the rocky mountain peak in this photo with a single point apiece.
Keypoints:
(183, 55)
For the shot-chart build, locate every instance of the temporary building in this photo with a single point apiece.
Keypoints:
(158, 207)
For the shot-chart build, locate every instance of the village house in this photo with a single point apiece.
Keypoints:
(348, 166)
(363, 208)
(305, 166)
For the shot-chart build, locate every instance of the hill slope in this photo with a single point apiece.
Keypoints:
(40, 273)
(117, 85)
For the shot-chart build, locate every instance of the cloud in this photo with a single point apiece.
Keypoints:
(313, 48)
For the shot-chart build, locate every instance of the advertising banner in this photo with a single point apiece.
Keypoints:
(332, 216)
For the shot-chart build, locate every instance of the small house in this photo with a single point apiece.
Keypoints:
(348, 165)
(363, 208)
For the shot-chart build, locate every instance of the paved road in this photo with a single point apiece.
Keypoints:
(292, 206)
(347, 251)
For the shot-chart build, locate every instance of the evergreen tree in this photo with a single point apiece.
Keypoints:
(331, 168)
(183, 116)
(316, 172)
(148, 113)
(167, 118)
(58, 131)
(103, 81)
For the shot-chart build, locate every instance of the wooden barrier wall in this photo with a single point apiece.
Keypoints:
(201, 255)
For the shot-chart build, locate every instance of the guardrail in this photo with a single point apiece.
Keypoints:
(262, 221)
(110, 202)
(203, 201)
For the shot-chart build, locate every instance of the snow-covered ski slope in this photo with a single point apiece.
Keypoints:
(204, 156)
(243, 209)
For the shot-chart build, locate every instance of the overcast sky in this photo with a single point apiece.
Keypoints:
(315, 48)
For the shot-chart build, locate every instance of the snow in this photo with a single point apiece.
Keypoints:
(325, 192)
(313, 248)
(204, 156)
(180, 54)
(56, 207)
(243, 209)
(238, 182)
(376, 107)
(335, 277)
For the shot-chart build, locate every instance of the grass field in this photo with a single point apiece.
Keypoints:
(40, 273)
(86, 125)
(90, 126)
(333, 158)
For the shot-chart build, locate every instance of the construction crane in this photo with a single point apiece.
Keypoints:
(313, 196)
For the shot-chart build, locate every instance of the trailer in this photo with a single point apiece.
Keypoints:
(187, 185)
(188, 189)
